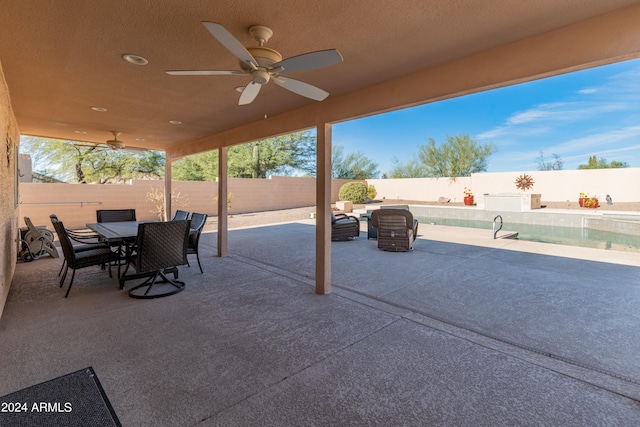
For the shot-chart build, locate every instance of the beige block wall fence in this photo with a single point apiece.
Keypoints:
(555, 186)
(76, 204)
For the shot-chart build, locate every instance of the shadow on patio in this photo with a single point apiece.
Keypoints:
(449, 333)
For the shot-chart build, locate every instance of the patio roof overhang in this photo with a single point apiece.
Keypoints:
(60, 60)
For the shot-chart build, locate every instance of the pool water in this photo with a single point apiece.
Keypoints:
(582, 237)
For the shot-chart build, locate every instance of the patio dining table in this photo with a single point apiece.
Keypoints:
(124, 233)
(116, 232)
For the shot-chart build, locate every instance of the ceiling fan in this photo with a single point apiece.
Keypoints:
(116, 144)
(263, 64)
(111, 144)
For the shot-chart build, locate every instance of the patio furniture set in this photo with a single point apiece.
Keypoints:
(395, 229)
(153, 249)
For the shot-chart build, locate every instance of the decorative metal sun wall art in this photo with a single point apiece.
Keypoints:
(524, 182)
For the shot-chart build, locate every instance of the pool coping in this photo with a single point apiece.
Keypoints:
(480, 237)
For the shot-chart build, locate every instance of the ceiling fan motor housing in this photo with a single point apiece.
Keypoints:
(264, 56)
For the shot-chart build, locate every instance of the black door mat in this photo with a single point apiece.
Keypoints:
(75, 399)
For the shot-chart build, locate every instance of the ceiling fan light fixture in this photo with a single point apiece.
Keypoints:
(260, 77)
(135, 59)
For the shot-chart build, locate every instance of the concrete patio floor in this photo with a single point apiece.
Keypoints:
(463, 330)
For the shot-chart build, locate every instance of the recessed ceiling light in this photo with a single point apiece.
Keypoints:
(239, 89)
(175, 122)
(99, 109)
(135, 59)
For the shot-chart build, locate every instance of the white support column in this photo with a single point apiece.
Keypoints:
(223, 226)
(167, 187)
(323, 209)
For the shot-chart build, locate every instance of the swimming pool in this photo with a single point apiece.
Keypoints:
(582, 237)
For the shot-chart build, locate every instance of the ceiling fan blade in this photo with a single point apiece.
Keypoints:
(231, 43)
(135, 150)
(249, 93)
(310, 61)
(301, 88)
(203, 72)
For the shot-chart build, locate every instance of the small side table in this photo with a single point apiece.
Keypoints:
(372, 232)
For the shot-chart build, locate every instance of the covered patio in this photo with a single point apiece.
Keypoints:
(451, 333)
(87, 70)
(463, 330)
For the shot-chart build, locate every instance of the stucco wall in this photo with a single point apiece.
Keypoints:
(8, 210)
(424, 189)
(254, 195)
(39, 200)
(554, 186)
(621, 184)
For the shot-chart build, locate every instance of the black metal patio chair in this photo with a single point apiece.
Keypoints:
(100, 255)
(161, 247)
(115, 215)
(197, 224)
(180, 215)
(84, 240)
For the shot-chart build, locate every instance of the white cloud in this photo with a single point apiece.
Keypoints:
(619, 93)
(598, 140)
(493, 133)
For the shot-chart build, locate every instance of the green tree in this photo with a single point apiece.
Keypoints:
(285, 155)
(412, 169)
(73, 161)
(278, 155)
(197, 167)
(458, 156)
(354, 165)
(595, 163)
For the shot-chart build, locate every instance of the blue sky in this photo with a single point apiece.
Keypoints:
(576, 115)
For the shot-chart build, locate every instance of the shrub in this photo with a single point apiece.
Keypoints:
(156, 197)
(354, 191)
(371, 192)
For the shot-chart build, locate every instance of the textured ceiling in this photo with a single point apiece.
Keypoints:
(61, 58)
